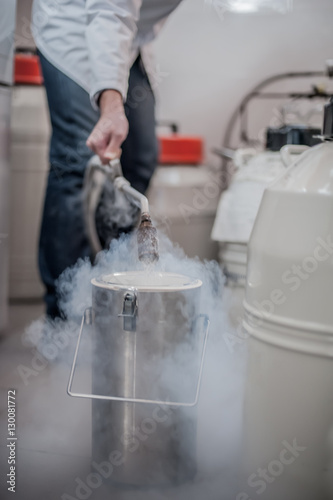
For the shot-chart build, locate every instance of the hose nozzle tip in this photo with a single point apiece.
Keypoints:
(147, 240)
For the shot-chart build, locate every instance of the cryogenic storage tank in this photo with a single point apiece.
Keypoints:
(239, 204)
(289, 321)
(236, 213)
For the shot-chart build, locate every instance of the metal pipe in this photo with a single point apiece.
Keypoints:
(123, 185)
(240, 111)
(92, 189)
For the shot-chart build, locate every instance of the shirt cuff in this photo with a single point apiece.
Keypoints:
(98, 88)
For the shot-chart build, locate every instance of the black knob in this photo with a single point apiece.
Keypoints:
(291, 134)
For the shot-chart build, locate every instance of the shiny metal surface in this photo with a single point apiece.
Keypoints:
(159, 360)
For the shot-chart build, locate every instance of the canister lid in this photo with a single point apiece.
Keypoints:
(147, 281)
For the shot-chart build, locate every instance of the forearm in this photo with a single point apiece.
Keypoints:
(111, 28)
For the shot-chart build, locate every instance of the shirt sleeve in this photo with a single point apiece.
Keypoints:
(111, 28)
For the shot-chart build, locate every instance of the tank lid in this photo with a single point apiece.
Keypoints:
(328, 121)
(147, 281)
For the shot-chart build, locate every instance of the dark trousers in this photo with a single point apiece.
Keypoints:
(63, 238)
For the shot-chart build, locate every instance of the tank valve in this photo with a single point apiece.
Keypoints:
(147, 240)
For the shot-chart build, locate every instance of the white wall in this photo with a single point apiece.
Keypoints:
(206, 64)
(212, 62)
(23, 37)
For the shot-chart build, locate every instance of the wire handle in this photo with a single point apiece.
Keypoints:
(289, 151)
(87, 320)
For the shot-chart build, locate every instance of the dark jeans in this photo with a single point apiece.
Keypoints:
(63, 238)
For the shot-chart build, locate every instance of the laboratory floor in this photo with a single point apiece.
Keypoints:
(53, 446)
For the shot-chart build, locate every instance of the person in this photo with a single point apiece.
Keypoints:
(98, 74)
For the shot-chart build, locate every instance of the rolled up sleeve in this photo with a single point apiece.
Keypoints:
(111, 28)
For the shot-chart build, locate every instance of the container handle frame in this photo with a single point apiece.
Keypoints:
(289, 150)
(87, 319)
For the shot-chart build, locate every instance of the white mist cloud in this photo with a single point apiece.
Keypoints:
(220, 405)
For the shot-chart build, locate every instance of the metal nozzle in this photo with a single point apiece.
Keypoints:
(147, 240)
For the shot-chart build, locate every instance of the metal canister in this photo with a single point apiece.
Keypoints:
(146, 351)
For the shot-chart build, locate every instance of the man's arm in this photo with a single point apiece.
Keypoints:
(111, 28)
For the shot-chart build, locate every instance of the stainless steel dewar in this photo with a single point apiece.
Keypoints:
(149, 342)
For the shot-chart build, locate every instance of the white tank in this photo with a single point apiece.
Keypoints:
(236, 213)
(30, 132)
(289, 321)
(183, 200)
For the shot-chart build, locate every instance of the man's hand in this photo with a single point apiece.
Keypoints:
(111, 129)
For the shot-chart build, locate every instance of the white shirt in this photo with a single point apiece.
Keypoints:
(95, 42)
